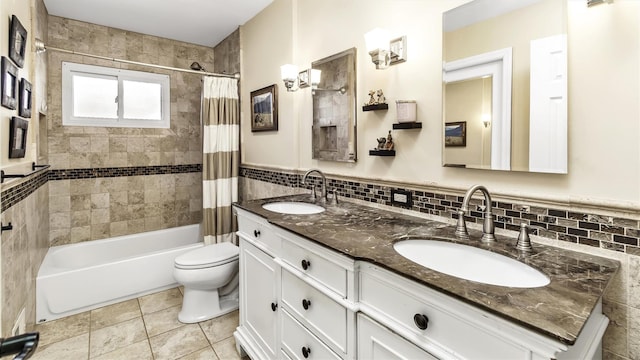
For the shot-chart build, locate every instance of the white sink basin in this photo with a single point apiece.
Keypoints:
(293, 208)
(471, 263)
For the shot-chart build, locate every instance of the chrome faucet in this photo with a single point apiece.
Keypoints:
(488, 228)
(324, 182)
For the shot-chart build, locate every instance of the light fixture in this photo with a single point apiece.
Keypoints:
(289, 74)
(597, 2)
(40, 47)
(383, 51)
(294, 80)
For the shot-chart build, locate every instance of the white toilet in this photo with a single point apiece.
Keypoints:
(210, 278)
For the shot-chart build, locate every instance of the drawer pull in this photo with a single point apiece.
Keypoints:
(306, 351)
(305, 264)
(274, 306)
(421, 320)
(306, 304)
(256, 233)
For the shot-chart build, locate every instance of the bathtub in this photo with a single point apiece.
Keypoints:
(79, 277)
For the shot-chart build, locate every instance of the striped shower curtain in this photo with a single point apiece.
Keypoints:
(221, 145)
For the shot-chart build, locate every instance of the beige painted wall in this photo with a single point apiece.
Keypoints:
(604, 64)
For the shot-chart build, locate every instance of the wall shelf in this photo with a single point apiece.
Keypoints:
(407, 125)
(375, 107)
(382, 152)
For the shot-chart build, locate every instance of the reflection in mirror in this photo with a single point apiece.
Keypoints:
(334, 108)
(528, 130)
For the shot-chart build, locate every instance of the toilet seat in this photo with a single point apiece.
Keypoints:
(208, 256)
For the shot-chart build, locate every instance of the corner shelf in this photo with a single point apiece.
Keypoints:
(407, 125)
(375, 107)
(382, 152)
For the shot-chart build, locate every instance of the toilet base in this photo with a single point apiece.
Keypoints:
(201, 305)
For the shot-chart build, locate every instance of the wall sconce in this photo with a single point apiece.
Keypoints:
(486, 119)
(294, 80)
(383, 51)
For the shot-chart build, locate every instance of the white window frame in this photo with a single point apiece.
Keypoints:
(68, 69)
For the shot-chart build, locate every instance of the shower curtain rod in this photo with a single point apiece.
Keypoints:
(237, 75)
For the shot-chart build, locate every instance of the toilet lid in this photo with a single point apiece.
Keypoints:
(208, 256)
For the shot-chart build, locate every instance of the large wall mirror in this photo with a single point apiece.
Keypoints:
(334, 108)
(505, 85)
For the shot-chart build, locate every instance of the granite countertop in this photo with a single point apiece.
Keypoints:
(558, 310)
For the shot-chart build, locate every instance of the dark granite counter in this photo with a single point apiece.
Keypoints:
(558, 310)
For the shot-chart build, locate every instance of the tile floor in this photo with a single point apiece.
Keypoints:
(141, 329)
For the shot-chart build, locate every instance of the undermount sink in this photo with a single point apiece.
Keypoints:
(293, 208)
(471, 263)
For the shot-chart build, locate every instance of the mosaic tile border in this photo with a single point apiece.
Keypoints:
(19, 192)
(606, 232)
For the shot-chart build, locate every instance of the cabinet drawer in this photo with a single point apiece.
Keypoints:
(375, 342)
(447, 334)
(314, 261)
(258, 231)
(322, 315)
(295, 338)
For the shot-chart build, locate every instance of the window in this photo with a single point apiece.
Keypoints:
(108, 97)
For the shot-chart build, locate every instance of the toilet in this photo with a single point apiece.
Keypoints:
(210, 279)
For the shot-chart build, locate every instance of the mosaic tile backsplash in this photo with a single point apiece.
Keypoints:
(612, 233)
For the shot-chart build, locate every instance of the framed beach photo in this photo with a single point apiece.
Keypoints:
(9, 82)
(264, 109)
(17, 137)
(24, 101)
(17, 41)
(455, 134)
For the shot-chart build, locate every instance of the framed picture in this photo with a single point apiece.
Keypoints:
(24, 103)
(304, 79)
(264, 109)
(9, 82)
(17, 41)
(17, 137)
(455, 134)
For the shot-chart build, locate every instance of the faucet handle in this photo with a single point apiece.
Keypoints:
(524, 242)
(334, 199)
(461, 227)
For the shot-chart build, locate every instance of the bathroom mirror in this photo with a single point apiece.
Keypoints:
(505, 78)
(334, 108)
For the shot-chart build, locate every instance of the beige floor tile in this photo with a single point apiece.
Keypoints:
(178, 342)
(160, 301)
(203, 354)
(117, 336)
(221, 327)
(162, 321)
(138, 351)
(72, 348)
(226, 349)
(65, 328)
(113, 314)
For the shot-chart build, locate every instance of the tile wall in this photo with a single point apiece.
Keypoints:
(592, 232)
(149, 181)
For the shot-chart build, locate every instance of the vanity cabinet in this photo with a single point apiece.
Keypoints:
(376, 342)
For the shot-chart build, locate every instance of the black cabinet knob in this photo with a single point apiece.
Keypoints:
(305, 264)
(256, 233)
(274, 306)
(306, 304)
(306, 351)
(421, 321)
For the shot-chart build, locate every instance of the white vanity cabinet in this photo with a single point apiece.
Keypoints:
(259, 288)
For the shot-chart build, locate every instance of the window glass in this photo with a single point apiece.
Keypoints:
(142, 100)
(95, 97)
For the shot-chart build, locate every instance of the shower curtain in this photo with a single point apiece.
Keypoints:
(220, 157)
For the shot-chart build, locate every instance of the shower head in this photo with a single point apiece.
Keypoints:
(197, 67)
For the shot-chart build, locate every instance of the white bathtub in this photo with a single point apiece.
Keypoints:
(79, 277)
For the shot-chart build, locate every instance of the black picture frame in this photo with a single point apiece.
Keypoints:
(264, 109)
(455, 134)
(17, 137)
(9, 83)
(17, 41)
(24, 101)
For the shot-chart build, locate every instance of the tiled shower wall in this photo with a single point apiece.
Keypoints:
(85, 206)
(584, 231)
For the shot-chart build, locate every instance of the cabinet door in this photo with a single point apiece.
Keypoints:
(377, 342)
(259, 300)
